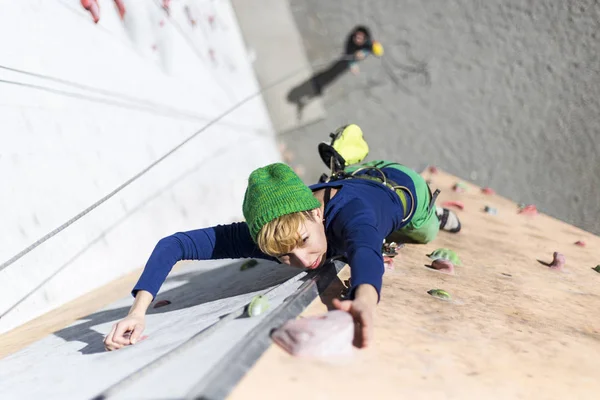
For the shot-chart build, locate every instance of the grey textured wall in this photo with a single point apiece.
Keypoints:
(503, 93)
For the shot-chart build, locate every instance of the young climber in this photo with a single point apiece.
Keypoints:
(349, 213)
(360, 44)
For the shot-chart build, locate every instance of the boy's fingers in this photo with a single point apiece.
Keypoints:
(137, 331)
(109, 338)
(120, 334)
(342, 305)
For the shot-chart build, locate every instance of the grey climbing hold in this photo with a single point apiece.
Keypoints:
(490, 210)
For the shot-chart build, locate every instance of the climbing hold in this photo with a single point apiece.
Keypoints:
(258, 305)
(328, 335)
(444, 266)
(433, 169)
(458, 204)
(445, 254)
(558, 261)
(490, 210)
(528, 210)
(161, 303)
(93, 7)
(487, 190)
(459, 187)
(440, 294)
(597, 268)
(120, 8)
(388, 263)
(390, 249)
(580, 243)
(249, 264)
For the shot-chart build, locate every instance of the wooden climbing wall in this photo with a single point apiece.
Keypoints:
(514, 329)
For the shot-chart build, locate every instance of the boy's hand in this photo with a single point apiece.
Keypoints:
(362, 309)
(354, 69)
(360, 55)
(125, 332)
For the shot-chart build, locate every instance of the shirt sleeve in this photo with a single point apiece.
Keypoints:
(218, 242)
(356, 224)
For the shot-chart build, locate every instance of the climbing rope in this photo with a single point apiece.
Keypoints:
(138, 103)
(135, 177)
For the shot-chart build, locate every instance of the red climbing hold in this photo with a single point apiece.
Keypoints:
(580, 243)
(529, 210)
(558, 261)
(388, 263)
(162, 303)
(487, 190)
(93, 7)
(444, 266)
(120, 7)
(458, 204)
(320, 336)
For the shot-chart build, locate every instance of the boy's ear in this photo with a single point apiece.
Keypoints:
(317, 214)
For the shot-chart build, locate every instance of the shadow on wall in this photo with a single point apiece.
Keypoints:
(313, 87)
(200, 287)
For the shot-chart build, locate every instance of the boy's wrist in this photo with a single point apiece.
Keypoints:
(367, 293)
(141, 303)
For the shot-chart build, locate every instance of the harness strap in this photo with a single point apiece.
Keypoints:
(327, 196)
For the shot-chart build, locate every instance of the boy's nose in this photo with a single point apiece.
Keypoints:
(302, 259)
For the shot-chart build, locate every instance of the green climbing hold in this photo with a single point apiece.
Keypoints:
(249, 264)
(440, 294)
(445, 254)
(597, 269)
(258, 305)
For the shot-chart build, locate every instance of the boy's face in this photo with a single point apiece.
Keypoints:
(312, 253)
(359, 38)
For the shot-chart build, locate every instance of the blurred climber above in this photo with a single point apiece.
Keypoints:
(349, 214)
(359, 45)
(94, 8)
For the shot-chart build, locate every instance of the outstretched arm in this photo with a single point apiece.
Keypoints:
(356, 224)
(218, 242)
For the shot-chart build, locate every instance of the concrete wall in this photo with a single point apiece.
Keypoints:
(503, 93)
(64, 147)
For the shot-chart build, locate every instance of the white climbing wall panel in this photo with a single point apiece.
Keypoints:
(151, 80)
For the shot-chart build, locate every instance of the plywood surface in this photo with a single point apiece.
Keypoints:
(515, 328)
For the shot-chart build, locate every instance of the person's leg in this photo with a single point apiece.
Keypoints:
(448, 220)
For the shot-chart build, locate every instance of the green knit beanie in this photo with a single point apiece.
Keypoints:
(273, 191)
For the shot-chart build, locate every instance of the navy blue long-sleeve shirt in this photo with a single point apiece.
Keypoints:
(357, 220)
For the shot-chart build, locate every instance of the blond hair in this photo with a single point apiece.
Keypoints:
(280, 236)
